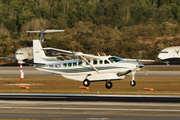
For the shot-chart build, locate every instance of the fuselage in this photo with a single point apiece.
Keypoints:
(108, 68)
(170, 54)
(24, 54)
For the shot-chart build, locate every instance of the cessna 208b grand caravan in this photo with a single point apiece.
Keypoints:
(85, 67)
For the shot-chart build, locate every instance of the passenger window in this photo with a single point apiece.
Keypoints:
(75, 64)
(106, 62)
(79, 63)
(87, 63)
(64, 65)
(95, 62)
(101, 62)
(69, 64)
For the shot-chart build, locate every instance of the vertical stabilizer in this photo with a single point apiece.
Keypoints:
(38, 53)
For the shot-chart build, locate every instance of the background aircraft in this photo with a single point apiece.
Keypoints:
(170, 54)
(25, 55)
(22, 55)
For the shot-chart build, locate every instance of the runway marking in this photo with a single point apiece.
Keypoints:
(91, 109)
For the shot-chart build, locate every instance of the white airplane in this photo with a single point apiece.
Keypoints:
(22, 55)
(25, 55)
(170, 54)
(85, 67)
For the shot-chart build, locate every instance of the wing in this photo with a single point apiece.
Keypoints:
(138, 60)
(60, 52)
(8, 58)
(74, 54)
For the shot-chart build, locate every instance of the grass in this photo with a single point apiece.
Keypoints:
(60, 85)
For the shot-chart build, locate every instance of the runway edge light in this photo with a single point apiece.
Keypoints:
(149, 89)
(24, 87)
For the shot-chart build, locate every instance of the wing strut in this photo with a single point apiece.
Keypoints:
(90, 64)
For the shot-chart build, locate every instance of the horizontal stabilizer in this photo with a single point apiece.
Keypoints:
(45, 31)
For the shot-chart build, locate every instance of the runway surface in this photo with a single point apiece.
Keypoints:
(88, 107)
(91, 98)
(88, 110)
(29, 71)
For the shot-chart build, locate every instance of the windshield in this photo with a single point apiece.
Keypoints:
(164, 52)
(115, 59)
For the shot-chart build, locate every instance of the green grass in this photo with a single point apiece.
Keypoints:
(60, 85)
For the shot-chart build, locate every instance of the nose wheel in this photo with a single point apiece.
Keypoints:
(133, 83)
(108, 85)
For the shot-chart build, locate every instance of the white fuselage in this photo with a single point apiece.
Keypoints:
(78, 70)
(170, 54)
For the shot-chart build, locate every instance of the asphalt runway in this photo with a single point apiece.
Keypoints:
(92, 107)
(41, 108)
(29, 71)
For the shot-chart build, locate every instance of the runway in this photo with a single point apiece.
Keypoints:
(88, 107)
(88, 110)
(92, 98)
(29, 71)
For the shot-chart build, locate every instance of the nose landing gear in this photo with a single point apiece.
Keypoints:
(133, 82)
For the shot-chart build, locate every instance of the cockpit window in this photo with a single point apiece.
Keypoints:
(164, 52)
(19, 53)
(115, 59)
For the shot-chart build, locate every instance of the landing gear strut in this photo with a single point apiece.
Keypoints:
(108, 85)
(133, 82)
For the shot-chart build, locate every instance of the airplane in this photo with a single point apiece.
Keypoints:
(85, 67)
(22, 55)
(25, 55)
(170, 54)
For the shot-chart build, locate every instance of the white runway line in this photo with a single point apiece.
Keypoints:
(91, 109)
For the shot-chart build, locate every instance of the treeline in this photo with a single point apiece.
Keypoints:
(126, 28)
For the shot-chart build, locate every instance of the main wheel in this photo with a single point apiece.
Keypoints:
(86, 82)
(109, 85)
(133, 83)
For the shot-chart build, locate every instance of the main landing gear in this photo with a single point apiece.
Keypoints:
(86, 82)
(108, 84)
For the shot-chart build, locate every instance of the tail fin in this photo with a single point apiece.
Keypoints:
(39, 55)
